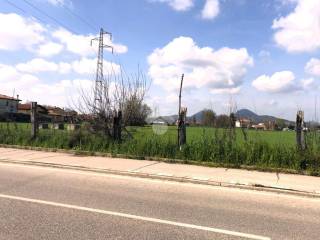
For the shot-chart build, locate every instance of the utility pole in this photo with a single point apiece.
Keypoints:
(98, 87)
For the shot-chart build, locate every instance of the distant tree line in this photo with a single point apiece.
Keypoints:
(211, 119)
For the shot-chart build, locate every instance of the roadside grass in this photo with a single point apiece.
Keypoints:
(263, 149)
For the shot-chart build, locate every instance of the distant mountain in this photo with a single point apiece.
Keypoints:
(198, 116)
(243, 113)
(246, 113)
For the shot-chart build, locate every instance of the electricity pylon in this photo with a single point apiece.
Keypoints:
(98, 87)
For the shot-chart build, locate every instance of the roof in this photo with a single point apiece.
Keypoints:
(27, 106)
(8, 98)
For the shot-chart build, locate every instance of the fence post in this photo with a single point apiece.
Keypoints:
(232, 126)
(117, 120)
(299, 130)
(34, 120)
(182, 133)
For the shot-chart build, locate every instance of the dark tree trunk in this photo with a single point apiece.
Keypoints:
(182, 133)
(117, 120)
(299, 131)
(34, 120)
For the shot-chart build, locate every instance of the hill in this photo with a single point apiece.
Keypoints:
(244, 113)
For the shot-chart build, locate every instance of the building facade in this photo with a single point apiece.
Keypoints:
(8, 104)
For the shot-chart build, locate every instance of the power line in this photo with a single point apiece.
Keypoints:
(52, 18)
(80, 18)
(14, 5)
(24, 11)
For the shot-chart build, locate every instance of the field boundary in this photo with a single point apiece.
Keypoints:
(159, 159)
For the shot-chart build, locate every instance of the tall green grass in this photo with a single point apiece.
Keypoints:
(216, 146)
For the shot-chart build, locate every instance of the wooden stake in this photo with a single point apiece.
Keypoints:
(182, 118)
(299, 130)
(34, 120)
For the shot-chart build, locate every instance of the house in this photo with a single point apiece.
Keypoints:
(61, 115)
(168, 120)
(259, 126)
(26, 109)
(243, 123)
(55, 113)
(9, 104)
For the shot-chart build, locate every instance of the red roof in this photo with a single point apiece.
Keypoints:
(25, 106)
(8, 98)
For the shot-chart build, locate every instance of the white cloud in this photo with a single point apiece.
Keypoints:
(17, 32)
(226, 90)
(278, 82)
(11, 79)
(61, 93)
(37, 65)
(80, 44)
(89, 65)
(49, 49)
(178, 5)
(64, 93)
(308, 84)
(211, 9)
(82, 66)
(220, 70)
(300, 30)
(64, 67)
(313, 67)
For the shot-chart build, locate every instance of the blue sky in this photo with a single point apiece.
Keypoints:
(256, 54)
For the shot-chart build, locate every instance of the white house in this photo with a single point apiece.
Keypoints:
(8, 104)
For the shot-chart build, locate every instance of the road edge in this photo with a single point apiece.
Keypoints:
(244, 186)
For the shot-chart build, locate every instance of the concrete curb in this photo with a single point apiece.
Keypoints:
(246, 186)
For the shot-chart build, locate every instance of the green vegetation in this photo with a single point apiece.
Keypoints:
(219, 147)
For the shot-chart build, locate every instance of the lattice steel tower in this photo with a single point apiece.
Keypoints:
(98, 87)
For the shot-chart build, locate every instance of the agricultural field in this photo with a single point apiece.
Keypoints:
(197, 133)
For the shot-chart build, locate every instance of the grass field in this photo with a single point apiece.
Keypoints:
(263, 149)
(196, 133)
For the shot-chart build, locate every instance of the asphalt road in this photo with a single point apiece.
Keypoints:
(44, 203)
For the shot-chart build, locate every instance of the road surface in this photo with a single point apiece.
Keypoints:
(48, 203)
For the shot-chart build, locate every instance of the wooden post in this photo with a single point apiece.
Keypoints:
(299, 130)
(232, 126)
(34, 120)
(117, 120)
(182, 134)
(182, 113)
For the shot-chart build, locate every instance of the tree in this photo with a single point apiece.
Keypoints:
(280, 124)
(135, 112)
(223, 121)
(120, 102)
(209, 118)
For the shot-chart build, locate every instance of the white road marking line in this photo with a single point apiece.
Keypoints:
(135, 217)
(114, 176)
